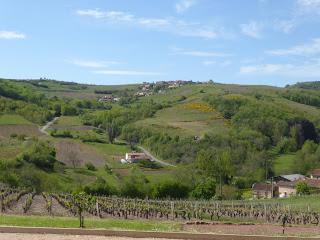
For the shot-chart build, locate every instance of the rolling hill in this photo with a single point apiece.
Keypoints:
(262, 129)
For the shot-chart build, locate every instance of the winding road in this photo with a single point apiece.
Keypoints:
(48, 124)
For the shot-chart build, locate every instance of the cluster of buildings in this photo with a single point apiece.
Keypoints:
(285, 185)
(135, 157)
(109, 99)
(148, 89)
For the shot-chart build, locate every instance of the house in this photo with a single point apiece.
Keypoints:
(264, 190)
(288, 178)
(286, 188)
(107, 98)
(312, 182)
(315, 174)
(136, 157)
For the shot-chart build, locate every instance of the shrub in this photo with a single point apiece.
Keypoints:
(100, 188)
(13, 135)
(135, 185)
(149, 164)
(91, 137)
(22, 137)
(41, 155)
(170, 189)
(90, 166)
(303, 188)
(204, 189)
(230, 192)
(61, 133)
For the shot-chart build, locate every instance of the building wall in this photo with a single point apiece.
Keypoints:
(314, 177)
(288, 191)
(261, 194)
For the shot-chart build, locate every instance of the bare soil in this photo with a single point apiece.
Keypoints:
(58, 210)
(38, 206)
(17, 207)
(257, 229)
(28, 130)
(68, 150)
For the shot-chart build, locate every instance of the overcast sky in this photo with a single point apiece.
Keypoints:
(272, 42)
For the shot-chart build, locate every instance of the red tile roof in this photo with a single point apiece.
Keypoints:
(315, 183)
(262, 187)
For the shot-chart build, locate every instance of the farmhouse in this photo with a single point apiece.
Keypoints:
(287, 189)
(264, 190)
(288, 178)
(136, 157)
(108, 98)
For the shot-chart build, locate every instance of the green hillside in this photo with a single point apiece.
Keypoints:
(212, 133)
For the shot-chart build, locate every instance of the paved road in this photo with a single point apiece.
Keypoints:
(154, 158)
(48, 124)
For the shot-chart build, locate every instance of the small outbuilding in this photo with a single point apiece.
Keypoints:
(135, 157)
(264, 190)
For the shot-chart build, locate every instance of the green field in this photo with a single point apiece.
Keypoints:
(283, 164)
(69, 121)
(111, 224)
(298, 202)
(186, 119)
(13, 119)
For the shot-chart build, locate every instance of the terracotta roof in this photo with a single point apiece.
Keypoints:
(315, 172)
(315, 183)
(262, 187)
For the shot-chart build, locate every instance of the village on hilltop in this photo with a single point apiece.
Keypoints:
(148, 89)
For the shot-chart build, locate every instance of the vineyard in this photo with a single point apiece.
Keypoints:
(24, 202)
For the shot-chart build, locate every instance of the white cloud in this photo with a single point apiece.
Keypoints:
(306, 6)
(171, 25)
(184, 5)
(126, 73)
(196, 53)
(218, 64)
(92, 63)
(305, 70)
(252, 29)
(11, 35)
(312, 48)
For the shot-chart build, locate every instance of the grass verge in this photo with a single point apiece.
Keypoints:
(111, 224)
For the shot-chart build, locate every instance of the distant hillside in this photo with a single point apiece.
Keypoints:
(314, 85)
(71, 89)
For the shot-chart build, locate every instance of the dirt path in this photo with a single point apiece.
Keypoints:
(154, 158)
(48, 124)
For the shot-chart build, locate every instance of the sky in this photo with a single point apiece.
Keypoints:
(270, 42)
